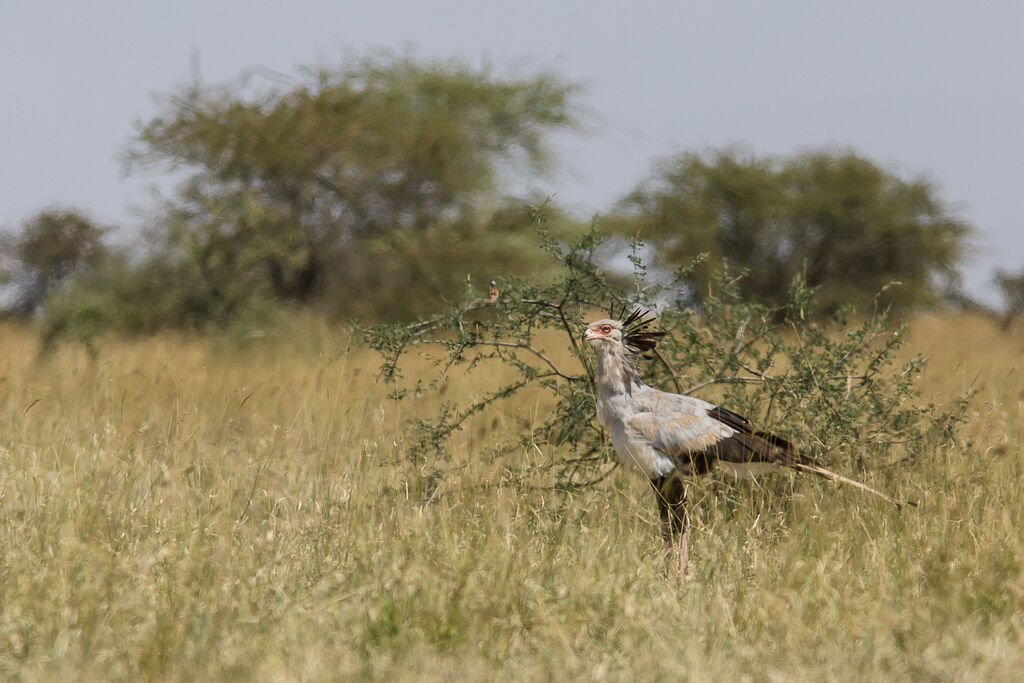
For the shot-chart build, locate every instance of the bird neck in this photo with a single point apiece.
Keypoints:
(616, 372)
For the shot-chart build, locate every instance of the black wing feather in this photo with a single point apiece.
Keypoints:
(758, 444)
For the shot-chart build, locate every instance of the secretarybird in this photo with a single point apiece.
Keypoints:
(669, 437)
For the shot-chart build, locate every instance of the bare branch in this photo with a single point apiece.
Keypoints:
(512, 345)
(671, 370)
(487, 400)
(432, 323)
(572, 338)
(592, 482)
(724, 380)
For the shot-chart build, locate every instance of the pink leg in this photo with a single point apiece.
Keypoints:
(683, 552)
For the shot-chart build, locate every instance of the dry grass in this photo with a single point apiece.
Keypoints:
(175, 509)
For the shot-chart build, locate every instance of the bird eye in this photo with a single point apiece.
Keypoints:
(606, 328)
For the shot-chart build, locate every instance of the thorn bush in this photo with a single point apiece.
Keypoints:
(840, 388)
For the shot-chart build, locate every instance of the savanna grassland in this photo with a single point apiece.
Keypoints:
(180, 508)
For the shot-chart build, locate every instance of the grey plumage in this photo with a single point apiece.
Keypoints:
(668, 437)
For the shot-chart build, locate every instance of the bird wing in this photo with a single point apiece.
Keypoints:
(689, 439)
(674, 423)
(688, 425)
(649, 399)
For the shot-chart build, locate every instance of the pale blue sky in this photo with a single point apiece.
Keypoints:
(931, 88)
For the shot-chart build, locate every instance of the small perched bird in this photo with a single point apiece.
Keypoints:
(668, 437)
(492, 291)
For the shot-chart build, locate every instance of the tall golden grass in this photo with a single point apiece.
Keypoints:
(177, 508)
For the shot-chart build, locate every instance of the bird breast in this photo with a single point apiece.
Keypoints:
(639, 455)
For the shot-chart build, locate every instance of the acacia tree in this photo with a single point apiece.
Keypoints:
(51, 247)
(845, 225)
(369, 185)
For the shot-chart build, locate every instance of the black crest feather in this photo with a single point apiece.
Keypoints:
(635, 333)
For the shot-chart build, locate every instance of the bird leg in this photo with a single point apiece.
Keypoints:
(675, 520)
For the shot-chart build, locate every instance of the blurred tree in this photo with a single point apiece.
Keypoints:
(139, 296)
(52, 246)
(1011, 285)
(368, 188)
(840, 221)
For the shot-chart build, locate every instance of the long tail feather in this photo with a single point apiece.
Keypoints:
(769, 447)
(829, 474)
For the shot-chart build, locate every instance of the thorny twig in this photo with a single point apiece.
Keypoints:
(433, 323)
(512, 345)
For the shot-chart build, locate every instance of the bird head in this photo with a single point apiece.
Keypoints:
(631, 333)
(605, 331)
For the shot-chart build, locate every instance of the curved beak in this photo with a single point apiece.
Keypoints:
(589, 334)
